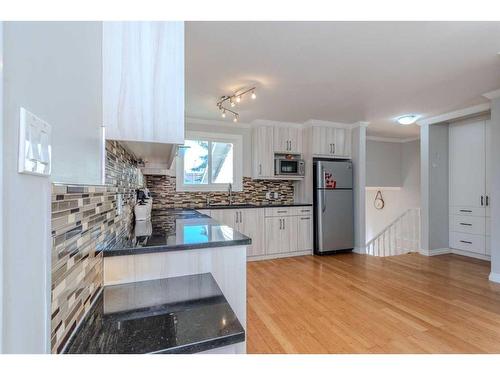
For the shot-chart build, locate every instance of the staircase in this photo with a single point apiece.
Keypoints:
(401, 236)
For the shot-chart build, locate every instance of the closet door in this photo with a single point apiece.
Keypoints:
(467, 164)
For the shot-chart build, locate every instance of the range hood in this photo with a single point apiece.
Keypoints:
(158, 158)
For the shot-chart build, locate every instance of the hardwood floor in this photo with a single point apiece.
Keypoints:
(352, 303)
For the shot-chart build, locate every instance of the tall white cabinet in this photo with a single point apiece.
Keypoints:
(143, 81)
(469, 190)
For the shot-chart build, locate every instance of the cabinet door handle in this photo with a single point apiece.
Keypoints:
(487, 200)
(283, 223)
(241, 218)
(467, 224)
(236, 217)
(465, 210)
(330, 148)
(260, 169)
(468, 242)
(482, 200)
(333, 147)
(282, 212)
(305, 218)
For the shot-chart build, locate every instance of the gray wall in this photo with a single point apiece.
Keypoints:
(495, 190)
(383, 163)
(54, 70)
(434, 186)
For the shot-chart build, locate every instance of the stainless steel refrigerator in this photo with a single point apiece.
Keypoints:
(333, 206)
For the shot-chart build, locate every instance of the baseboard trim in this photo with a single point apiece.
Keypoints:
(494, 277)
(359, 250)
(277, 256)
(434, 252)
(471, 255)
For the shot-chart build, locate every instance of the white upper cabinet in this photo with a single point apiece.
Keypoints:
(467, 164)
(263, 152)
(287, 139)
(143, 81)
(331, 142)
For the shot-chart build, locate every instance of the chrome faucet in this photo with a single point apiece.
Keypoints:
(230, 193)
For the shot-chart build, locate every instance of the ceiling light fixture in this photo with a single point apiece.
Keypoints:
(233, 99)
(407, 119)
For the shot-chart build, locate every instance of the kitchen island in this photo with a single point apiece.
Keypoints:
(180, 242)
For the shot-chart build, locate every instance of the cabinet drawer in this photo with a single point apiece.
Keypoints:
(468, 242)
(467, 224)
(303, 211)
(467, 211)
(279, 211)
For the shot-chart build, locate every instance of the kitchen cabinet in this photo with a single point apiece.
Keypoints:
(329, 141)
(287, 139)
(248, 221)
(143, 81)
(304, 233)
(469, 185)
(263, 153)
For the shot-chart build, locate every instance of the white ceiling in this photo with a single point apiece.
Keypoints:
(341, 71)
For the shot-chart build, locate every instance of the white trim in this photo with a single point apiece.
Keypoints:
(442, 251)
(360, 250)
(434, 252)
(383, 188)
(455, 115)
(471, 255)
(237, 140)
(277, 256)
(341, 125)
(264, 122)
(494, 277)
(392, 140)
(492, 94)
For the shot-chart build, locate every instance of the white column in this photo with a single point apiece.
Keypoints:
(359, 165)
(424, 188)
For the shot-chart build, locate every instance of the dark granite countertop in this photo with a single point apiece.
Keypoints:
(249, 205)
(175, 229)
(185, 314)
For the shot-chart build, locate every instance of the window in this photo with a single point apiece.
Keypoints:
(210, 162)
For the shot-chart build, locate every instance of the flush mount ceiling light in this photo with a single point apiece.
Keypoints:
(407, 119)
(234, 99)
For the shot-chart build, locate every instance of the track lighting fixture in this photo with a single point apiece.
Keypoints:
(233, 100)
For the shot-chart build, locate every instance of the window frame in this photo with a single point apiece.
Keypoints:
(235, 139)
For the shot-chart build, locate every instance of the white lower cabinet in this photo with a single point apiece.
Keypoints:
(275, 232)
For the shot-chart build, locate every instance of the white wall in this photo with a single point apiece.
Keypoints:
(52, 69)
(495, 191)
(397, 200)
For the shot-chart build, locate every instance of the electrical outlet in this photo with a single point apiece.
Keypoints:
(276, 195)
(268, 195)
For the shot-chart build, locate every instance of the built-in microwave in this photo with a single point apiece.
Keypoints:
(289, 165)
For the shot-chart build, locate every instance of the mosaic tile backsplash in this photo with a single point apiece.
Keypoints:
(84, 221)
(164, 194)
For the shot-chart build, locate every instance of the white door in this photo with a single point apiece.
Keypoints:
(263, 153)
(289, 235)
(143, 81)
(295, 138)
(467, 164)
(488, 166)
(281, 140)
(252, 225)
(304, 233)
(225, 216)
(274, 235)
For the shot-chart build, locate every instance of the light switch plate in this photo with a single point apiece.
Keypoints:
(34, 144)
